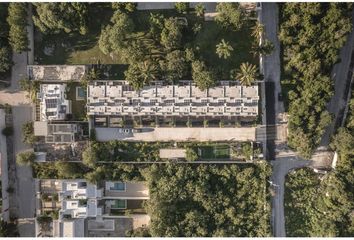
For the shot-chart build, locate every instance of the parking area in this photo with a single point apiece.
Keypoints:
(177, 134)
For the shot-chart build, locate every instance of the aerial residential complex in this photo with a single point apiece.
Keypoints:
(86, 210)
(176, 119)
(119, 98)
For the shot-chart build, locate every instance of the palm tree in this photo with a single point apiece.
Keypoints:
(247, 74)
(199, 9)
(258, 30)
(224, 49)
(148, 71)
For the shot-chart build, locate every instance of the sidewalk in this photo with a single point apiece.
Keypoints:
(4, 170)
(179, 134)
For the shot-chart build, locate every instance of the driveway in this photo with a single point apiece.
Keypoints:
(179, 134)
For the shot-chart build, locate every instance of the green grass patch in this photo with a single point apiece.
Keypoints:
(241, 41)
(78, 106)
(214, 152)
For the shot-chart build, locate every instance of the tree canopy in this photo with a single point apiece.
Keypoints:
(17, 19)
(208, 200)
(202, 77)
(171, 34)
(113, 36)
(230, 15)
(311, 35)
(64, 16)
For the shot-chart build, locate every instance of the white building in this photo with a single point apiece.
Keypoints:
(106, 98)
(88, 210)
(56, 132)
(53, 102)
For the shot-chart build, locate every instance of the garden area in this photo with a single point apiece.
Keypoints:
(145, 45)
(76, 93)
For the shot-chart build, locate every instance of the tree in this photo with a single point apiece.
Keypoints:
(199, 9)
(258, 30)
(191, 155)
(90, 156)
(140, 74)
(266, 48)
(156, 21)
(64, 16)
(8, 229)
(247, 74)
(127, 6)
(25, 158)
(8, 131)
(224, 49)
(17, 20)
(5, 59)
(28, 133)
(175, 66)
(201, 76)
(230, 15)
(171, 35)
(182, 7)
(112, 38)
(93, 74)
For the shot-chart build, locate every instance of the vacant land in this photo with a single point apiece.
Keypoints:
(73, 48)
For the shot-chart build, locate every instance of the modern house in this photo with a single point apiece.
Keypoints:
(109, 98)
(53, 103)
(82, 209)
(56, 73)
(57, 132)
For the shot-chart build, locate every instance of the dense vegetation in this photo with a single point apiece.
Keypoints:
(17, 20)
(323, 207)
(208, 200)
(5, 49)
(311, 35)
(120, 151)
(64, 16)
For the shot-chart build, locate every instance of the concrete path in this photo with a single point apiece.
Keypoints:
(179, 134)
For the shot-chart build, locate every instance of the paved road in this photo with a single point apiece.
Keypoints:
(339, 74)
(4, 169)
(179, 134)
(281, 167)
(25, 187)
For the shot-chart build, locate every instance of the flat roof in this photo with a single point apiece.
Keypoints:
(56, 72)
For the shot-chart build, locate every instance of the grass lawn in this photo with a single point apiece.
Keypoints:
(214, 152)
(241, 41)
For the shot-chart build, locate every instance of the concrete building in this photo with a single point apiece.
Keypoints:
(106, 98)
(56, 73)
(88, 210)
(53, 103)
(57, 132)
